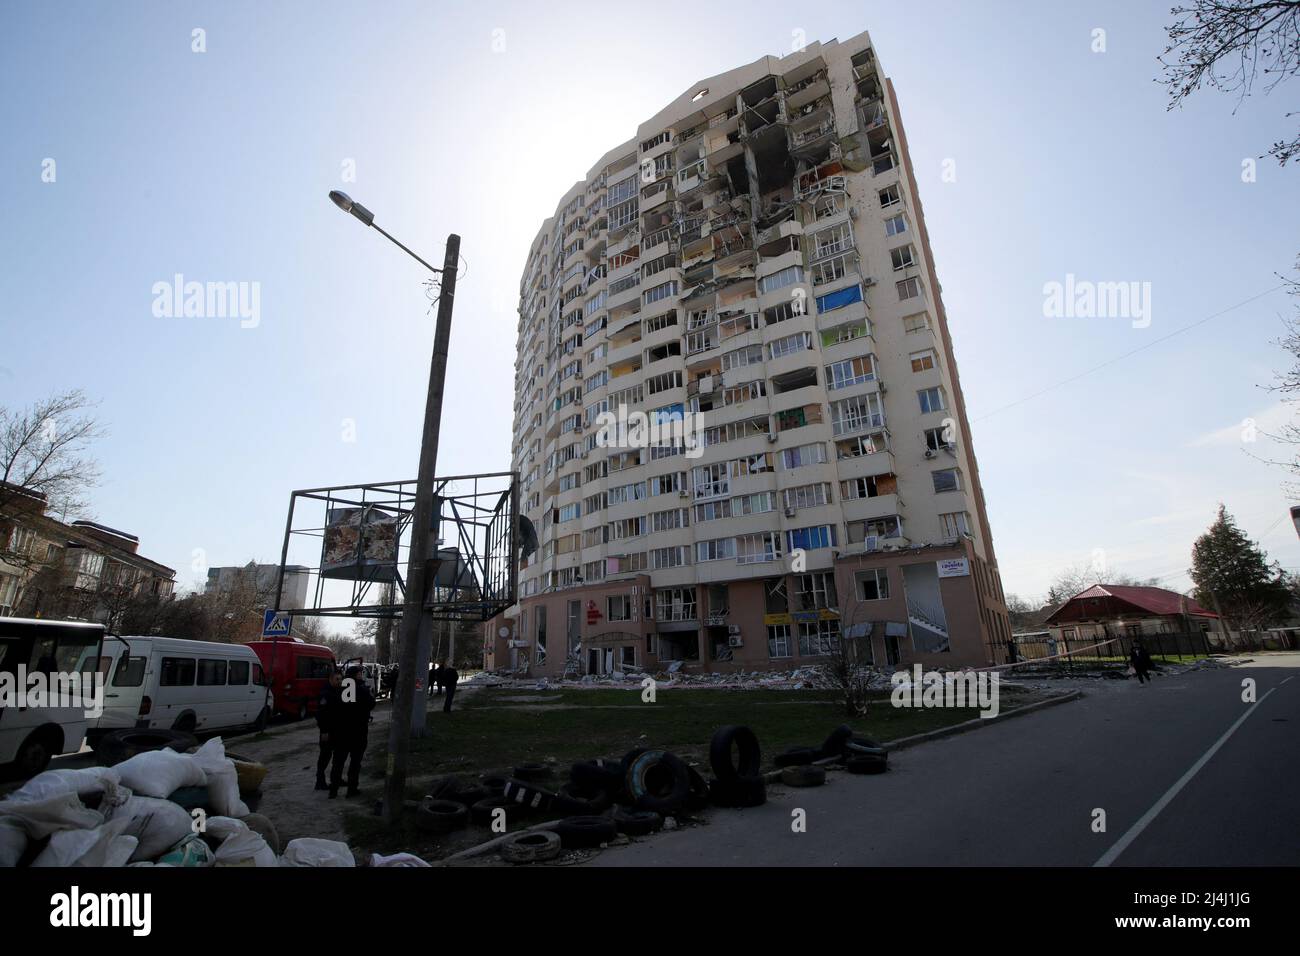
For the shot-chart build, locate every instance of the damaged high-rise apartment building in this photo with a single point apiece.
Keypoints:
(753, 266)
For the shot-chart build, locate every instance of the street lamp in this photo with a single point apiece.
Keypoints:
(417, 620)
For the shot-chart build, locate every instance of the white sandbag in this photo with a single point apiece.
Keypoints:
(311, 851)
(60, 810)
(160, 773)
(397, 859)
(245, 848)
(103, 846)
(40, 787)
(158, 824)
(218, 828)
(13, 842)
(89, 780)
(222, 779)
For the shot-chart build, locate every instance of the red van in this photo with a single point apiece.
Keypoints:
(298, 671)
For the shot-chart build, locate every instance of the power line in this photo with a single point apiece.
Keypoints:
(1119, 358)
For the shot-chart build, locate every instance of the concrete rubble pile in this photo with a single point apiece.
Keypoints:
(156, 808)
(811, 677)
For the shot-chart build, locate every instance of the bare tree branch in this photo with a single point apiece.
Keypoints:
(1226, 45)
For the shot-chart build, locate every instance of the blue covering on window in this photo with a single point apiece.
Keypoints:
(839, 298)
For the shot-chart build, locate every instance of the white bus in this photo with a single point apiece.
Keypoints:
(31, 735)
(175, 684)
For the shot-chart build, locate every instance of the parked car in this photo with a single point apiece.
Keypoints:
(31, 735)
(299, 672)
(174, 684)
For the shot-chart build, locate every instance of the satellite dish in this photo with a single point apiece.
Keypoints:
(504, 632)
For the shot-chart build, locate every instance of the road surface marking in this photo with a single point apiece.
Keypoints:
(1136, 829)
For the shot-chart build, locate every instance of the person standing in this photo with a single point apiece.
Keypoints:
(326, 712)
(349, 731)
(447, 678)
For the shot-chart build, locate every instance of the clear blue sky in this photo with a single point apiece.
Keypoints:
(216, 165)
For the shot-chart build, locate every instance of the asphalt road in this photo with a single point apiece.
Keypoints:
(1183, 779)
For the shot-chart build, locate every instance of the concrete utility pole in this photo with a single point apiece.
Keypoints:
(416, 616)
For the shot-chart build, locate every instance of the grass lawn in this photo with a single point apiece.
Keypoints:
(493, 730)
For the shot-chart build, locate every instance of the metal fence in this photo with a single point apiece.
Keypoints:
(1110, 649)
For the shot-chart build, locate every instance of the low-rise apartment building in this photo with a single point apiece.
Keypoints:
(78, 570)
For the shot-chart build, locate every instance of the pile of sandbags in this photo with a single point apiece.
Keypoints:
(157, 808)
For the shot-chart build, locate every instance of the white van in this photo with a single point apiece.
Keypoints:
(30, 734)
(174, 684)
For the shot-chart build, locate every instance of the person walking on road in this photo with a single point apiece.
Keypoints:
(326, 711)
(349, 731)
(1140, 661)
(447, 677)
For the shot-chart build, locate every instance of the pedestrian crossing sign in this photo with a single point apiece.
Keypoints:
(276, 623)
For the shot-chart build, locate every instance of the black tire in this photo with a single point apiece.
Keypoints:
(533, 771)
(582, 833)
(741, 792)
(495, 783)
(658, 781)
(185, 724)
(263, 719)
(466, 796)
(302, 711)
(797, 757)
(442, 786)
(637, 822)
(118, 745)
(590, 778)
(699, 795)
(867, 763)
(833, 746)
(803, 776)
(863, 746)
(441, 816)
(744, 740)
(568, 803)
(481, 813)
(535, 846)
(37, 751)
(528, 796)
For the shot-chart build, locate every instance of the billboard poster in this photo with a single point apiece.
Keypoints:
(360, 544)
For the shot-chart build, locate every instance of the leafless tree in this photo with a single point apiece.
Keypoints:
(1228, 45)
(849, 664)
(1070, 580)
(1287, 384)
(43, 448)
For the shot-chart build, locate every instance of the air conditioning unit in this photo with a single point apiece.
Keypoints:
(929, 453)
(771, 436)
(733, 628)
(583, 453)
(790, 512)
(683, 493)
(871, 543)
(735, 640)
(853, 212)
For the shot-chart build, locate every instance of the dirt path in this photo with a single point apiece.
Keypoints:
(289, 795)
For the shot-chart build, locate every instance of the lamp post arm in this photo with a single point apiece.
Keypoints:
(399, 245)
